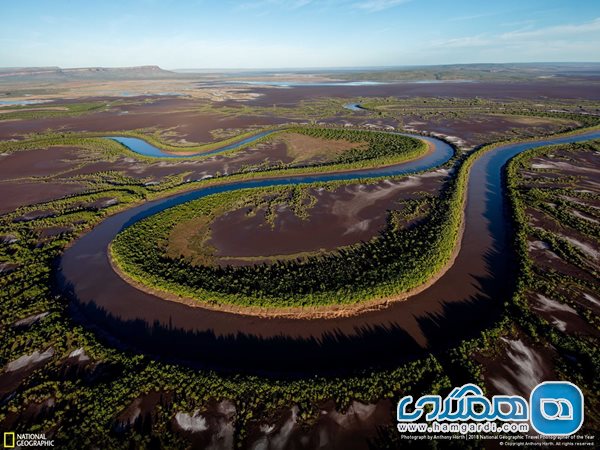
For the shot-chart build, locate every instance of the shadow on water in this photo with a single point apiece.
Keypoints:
(467, 299)
(335, 352)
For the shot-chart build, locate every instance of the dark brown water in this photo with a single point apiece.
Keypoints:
(466, 299)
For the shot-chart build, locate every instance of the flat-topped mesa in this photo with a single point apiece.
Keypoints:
(109, 73)
(113, 69)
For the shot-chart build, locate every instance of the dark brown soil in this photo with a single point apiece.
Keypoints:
(54, 231)
(34, 215)
(517, 368)
(33, 412)
(548, 173)
(8, 267)
(189, 125)
(21, 193)
(212, 426)
(341, 217)
(350, 429)
(516, 90)
(224, 164)
(142, 411)
(545, 259)
(66, 162)
(562, 316)
(101, 203)
(37, 163)
(274, 152)
(12, 379)
(479, 129)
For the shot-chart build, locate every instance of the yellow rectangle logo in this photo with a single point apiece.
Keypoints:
(9, 439)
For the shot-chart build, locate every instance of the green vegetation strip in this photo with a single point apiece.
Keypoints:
(51, 110)
(387, 267)
(383, 148)
(578, 357)
(391, 264)
(87, 402)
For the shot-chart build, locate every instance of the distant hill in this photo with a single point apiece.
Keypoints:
(479, 72)
(84, 73)
(451, 72)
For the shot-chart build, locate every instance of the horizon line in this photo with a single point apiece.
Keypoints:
(378, 67)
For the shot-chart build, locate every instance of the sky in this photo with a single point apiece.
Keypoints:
(177, 34)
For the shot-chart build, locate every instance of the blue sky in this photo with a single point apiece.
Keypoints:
(295, 33)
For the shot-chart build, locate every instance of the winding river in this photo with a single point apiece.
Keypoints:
(144, 148)
(465, 299)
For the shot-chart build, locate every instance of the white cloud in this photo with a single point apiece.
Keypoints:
(386, 44)
(465, 41)
(267, 4)
(182, 51)
(542, 39)
(555, 31)
(363, 5)
(377, 5)
(471, 17)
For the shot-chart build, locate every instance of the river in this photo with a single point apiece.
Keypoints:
(467, 298)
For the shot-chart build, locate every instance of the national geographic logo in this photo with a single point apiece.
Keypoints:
(12, 440)
(9, 440)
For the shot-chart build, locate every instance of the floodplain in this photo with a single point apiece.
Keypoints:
(291, 288)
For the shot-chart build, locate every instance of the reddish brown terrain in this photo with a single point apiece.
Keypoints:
(339, 217)
(562, 210)
(181, 117)
(183, 121)
(497, 90)
(477, 129)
